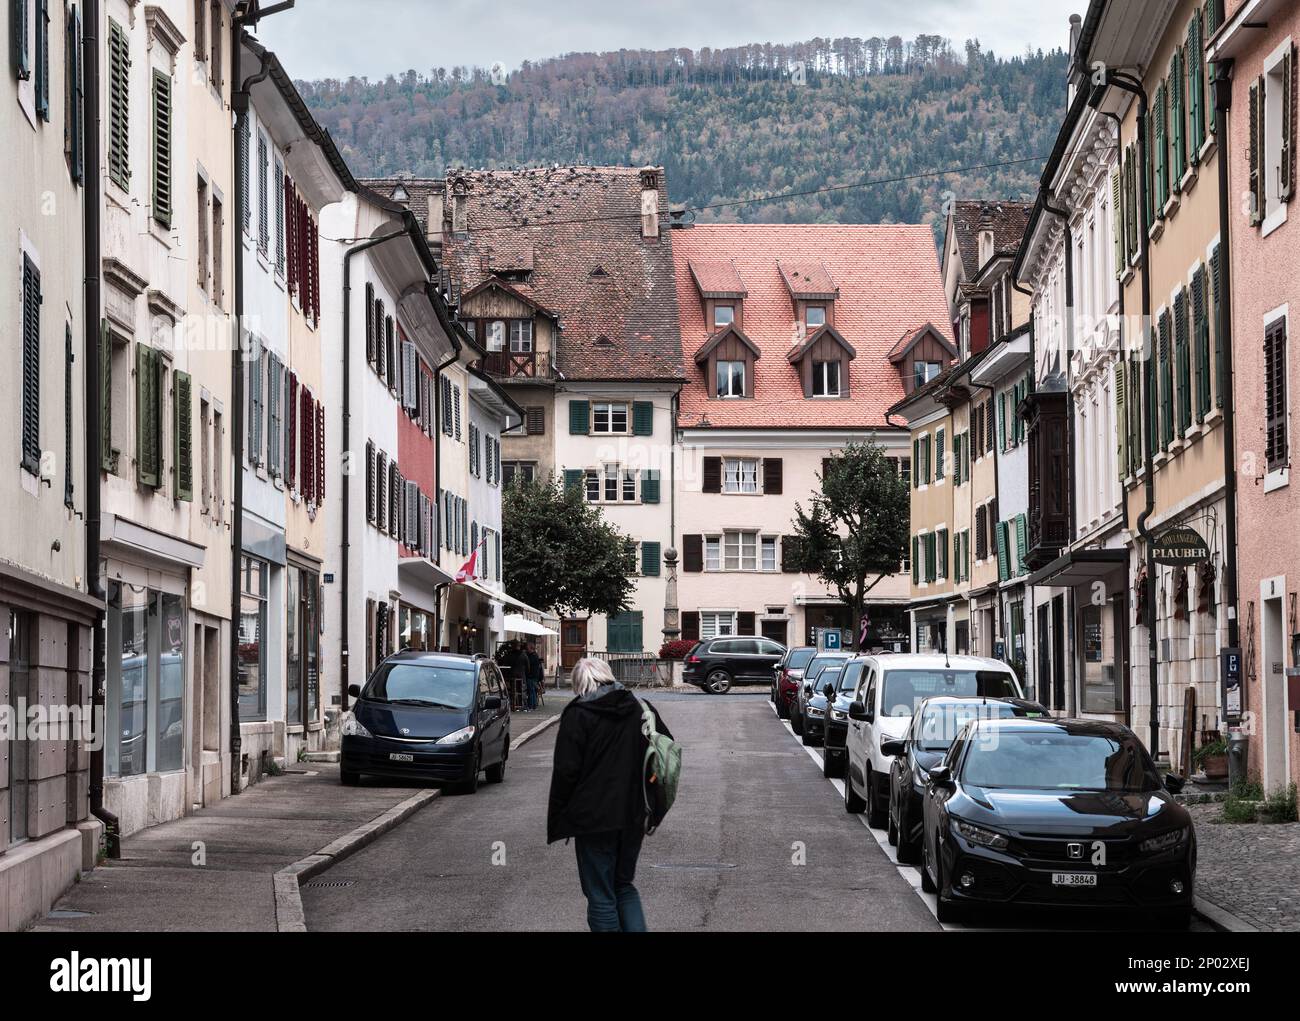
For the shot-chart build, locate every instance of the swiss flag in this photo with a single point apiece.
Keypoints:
(466, 571)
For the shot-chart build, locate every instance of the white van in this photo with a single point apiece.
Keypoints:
(891, 687)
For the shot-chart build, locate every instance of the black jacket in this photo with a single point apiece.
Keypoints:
(596, 783)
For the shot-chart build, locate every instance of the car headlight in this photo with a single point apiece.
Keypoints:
(458, 736)
(352, 727)
(814, 711)
(978, 835)
(1163, 842)
(839, 714)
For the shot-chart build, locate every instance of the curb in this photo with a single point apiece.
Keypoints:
(287, 882)
(1222, 919)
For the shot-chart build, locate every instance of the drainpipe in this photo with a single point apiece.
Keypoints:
(450, 328)
(1132, 85)
(1222, 104)
(344, 568)
(997, 603)
(90, 194)
(239, 100)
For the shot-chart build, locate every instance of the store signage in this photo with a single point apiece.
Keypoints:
(1179, 546)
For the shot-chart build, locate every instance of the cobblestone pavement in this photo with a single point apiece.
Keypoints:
(1251, 870)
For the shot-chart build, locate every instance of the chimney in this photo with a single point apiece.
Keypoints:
(459, 196)
(649, 202)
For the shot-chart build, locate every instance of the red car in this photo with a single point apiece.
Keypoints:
(789, 672)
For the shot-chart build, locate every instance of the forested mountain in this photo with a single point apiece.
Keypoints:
(730, 124)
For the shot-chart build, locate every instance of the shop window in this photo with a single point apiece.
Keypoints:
(146, 681)
(253, 639)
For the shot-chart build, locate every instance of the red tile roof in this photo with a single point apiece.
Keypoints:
(888, 281)
(1007, 220)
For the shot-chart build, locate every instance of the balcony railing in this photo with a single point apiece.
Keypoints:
(515, 363)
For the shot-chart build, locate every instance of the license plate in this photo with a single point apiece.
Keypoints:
(1074, 879)
(401, 757)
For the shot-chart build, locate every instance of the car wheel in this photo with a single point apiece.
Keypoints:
(497, 773)
(875, 814)
(927, 884)
(853, 804)
(805, 737)
(893, 827)
(348, 778)
(718, 682)
(835, 763)
(828, 765)
(471, 785)
(782, 710)
(796, 722)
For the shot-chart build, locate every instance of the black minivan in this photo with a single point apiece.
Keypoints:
(429, 716)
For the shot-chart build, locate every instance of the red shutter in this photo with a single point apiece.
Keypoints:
(313, 239)
(304, 406)
(291, 449)
(320, 453)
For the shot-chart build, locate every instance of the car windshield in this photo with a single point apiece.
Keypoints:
(904, 689)
(798, 658)
(417, 684)
(849, 679)
(940, 724)
(1057, 761)
(831, 674)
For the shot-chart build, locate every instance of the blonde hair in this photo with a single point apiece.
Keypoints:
(589, 674)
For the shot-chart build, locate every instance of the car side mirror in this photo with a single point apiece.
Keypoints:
(492, 703)
(857, 711)
(354, 690)
(893, 747)
(941, 776)
(1174, 783)
(828, 689)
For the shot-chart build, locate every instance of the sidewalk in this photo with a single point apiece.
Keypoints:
(1250, 870)
(165, 883)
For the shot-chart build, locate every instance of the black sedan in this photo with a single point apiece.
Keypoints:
(1050, 813)
(429, 716)
(835, 755)
(935, 724)
(809, 683)
(815, 709)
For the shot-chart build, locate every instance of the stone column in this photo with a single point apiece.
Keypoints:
(672, 615)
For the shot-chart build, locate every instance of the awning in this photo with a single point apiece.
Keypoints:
(521, 625)
(1079, 567)
(423, 569)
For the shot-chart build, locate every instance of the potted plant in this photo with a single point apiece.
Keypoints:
(1212, 757)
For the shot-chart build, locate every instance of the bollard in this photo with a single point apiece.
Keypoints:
(1238, 742)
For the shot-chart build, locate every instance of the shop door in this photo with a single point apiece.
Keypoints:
(573, 642)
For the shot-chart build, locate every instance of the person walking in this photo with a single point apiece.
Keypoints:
(536, 675)
(597, 795)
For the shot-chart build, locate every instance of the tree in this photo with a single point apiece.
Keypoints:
(854, 533)
(560, 553)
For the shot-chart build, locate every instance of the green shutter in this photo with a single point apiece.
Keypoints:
(573, 478)
(1117, 220)
(1022, 542)
(105, 396)
(579, 417)
(1216, 316)
(1002, 421)
(162, 148)
(146, 415)
(183, 447)
(75, 85)
(119, 106)
(43, 59)
(1195, 89)
(1004, 566)
(942, 546)
(1166, 385)
(1183, 353)
(19, 54)
(1162, 147)
(650, 559)
(649, 486)
(643, 422)
(1177, 134)
(1121, 419)
(916, 463)
(1201, 336)
(916, 560)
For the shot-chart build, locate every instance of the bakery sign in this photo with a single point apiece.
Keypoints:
(1179, 546)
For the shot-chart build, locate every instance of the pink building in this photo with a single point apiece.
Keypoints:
(1259, 38)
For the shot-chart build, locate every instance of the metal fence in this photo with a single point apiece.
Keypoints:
(637, 669)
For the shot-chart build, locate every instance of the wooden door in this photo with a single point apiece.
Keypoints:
(573, 641)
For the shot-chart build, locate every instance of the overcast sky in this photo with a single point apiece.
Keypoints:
(340, 38)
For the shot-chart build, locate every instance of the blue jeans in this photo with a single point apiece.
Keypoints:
(532, 693)
(606, 868)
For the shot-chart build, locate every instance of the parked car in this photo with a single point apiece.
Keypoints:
(888, 693)
(814, 710)
(432, 716)
(786, 678)
(717, 663)
(1031, 813)
(805, 688)
(834, 751)
(934, 726)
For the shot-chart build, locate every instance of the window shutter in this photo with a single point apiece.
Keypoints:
(455, 400)
(1255, 151)
(408, 375)
(1148, 173)
(19, 53)
(579, 417)
(146, 393)
(1275, 395)
(650, 486)
(370, 324)
(1178, 134)
(1183, 357)
(573, 478)
(1162, 146)
(940, 443)
(371, 495)
(916, 463)
(320, 453)
(305, 423)
(242, 160)
(76, 86)
(1117, 220)
(43, 59)
(692, 553)
(642, 418)
(1121, 419)
(119, 106)
(31, 438)
(291, 399)
(105, 397)
(691, 625)
(712, 479)
(1195, 89)
(162, 148)
(1201, 336)
(942, 552)
(1003, 555)
(745, 623)
(650, 559)
(1002, 421)
(916, 559)
(1220, 367)
(773, 475)
(1022, 542)
(1286, 172)
(183, 447)
(1166, 384)
(535, 417)
(293, 268)
(391, 355)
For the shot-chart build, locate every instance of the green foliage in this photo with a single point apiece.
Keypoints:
(731, 123)
(560, 553)
(1280, 806)
(854, 532)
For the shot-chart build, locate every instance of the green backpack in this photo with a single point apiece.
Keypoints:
(662, 769)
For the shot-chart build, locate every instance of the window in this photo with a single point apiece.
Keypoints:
(593, 487)
(22, 634)
(611, 483)
(524, 471)
(815, 316)
(302, 645)
(740, 551)
(923, 372)
(769, 553)
(1272, 139)
(629, 486)
(826, 379)
(731, 379)
(717, 622)
(1275, 396)
(253, 639)
(740, 475)
(495, 335)
(723, 315)
(521, 336)
(146, 681)
(609, 418)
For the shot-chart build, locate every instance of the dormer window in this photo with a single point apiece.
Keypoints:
(521, 336)
(925, 371)
(826, 378)
(723, 315)
(731, 379)
(815, 316)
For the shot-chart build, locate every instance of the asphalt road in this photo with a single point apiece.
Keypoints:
(758, 840)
